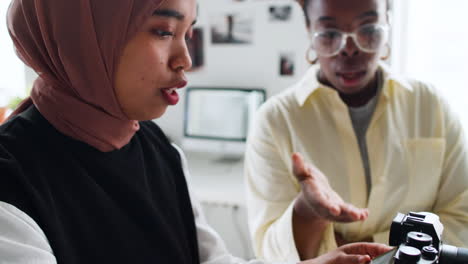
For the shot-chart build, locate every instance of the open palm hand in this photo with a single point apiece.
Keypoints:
(321, 201)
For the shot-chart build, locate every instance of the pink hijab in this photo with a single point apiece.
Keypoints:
(75, 46)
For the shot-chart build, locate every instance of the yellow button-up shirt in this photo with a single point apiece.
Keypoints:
(417, 155)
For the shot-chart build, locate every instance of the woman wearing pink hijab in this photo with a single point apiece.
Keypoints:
(85, 178)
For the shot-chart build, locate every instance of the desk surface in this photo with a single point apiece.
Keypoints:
(215, 180)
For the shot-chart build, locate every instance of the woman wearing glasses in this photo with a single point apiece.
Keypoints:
(368, 138)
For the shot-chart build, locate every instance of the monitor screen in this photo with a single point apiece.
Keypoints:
(220, 113)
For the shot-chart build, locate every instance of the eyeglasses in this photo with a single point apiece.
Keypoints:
(368, 38)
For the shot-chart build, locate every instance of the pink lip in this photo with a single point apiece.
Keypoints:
(351, 78)
(181, 84)
(172, 98)
(177, 85)
(350, 72)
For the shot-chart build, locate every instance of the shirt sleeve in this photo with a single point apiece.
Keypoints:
(268, 170)
(452, 201)
(211, 247)
(21, 239)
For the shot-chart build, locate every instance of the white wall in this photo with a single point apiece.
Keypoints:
(431, 45)
(253, 65)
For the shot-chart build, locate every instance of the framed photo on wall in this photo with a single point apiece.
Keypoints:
(234, 28)
(286, 64)
(280, 13)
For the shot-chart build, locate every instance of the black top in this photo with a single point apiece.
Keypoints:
(126, 206)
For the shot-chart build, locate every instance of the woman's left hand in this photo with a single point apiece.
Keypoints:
(355, 253)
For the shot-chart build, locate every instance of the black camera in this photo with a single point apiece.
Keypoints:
(417, 238)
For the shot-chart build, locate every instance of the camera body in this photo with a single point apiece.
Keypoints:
(417, 237)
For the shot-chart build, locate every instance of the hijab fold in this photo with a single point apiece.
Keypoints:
(75, 47)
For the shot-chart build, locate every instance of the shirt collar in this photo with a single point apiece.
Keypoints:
(309, 84)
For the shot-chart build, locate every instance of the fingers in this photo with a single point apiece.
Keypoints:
(299, 168)
(374, 250)
(339, 257)
(371, 249)
(334, 209)
(350, 213)
(319, 201)
(353, 259)
(322, 200)
(343, 212)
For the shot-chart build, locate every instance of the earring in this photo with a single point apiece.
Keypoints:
(389, 52)
(308, 52)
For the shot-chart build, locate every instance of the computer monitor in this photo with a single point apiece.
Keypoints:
(217, 120)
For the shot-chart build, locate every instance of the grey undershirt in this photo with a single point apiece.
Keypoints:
(361, 117)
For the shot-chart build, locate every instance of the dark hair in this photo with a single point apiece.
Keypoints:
(305, 4)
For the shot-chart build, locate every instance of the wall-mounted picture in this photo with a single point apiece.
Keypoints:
(195, 47)
(280, 12)
(286, 64)
(232, 29)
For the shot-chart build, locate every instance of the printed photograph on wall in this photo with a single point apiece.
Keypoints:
(195, 47)
(232, 28)
(286, 64)
(280, 13)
